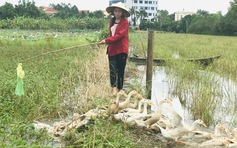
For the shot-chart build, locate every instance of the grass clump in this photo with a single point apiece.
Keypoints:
(100, 133)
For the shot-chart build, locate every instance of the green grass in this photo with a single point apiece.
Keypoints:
(49, 79)
(186, 46)
(76, 80)
(202, 94)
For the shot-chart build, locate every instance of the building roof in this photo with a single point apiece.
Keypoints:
(184, 12)
(49, 10)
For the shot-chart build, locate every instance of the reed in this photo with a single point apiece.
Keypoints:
(199, 92)
(56, 86)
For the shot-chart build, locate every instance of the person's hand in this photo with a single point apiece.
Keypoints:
(102, 42)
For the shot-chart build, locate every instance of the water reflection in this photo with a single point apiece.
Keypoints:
(224, 91)
(159, 84)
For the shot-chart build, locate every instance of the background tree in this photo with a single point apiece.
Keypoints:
(23, 14)
(7, 11)
(163, 19)
(27, 9)
(143, 15)
(96, 14)
(184, 23)
(134, 16)
(202, 12)
(229, 22)
(65, 10)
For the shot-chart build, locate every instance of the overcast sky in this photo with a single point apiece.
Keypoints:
(172, 6)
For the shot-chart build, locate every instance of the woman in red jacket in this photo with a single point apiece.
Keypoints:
(117, 49)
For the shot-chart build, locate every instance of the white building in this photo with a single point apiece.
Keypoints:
(150, 6)
(182, 14)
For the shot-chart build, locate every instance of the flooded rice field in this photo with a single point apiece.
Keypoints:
(224, 91)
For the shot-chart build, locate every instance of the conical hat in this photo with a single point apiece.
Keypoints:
(120, 5)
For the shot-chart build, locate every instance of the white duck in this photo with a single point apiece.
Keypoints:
(220, 141)
(118, 116)
(113, 107)
(230, 142)
(60, 126)
(129, 119)
(125, 103)
(137, 98)
(174, 114)
(132, 110)
(122, 106)
(83, 122)
(76, 118)
(180, 130)
(40, 125)
(233, 139)
(50, 129)
(122, 113)
(218, 132)
(234, 132)
(155, 117)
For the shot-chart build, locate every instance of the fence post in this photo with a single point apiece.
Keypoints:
(149, 63)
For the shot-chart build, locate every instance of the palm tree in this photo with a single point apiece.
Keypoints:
(143, 14)
(133, 15)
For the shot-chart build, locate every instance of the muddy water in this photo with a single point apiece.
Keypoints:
(226, 113)
(162, 88)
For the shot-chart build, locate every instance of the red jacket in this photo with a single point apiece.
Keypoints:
(119, 42)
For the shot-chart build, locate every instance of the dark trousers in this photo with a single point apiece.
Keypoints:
(117, 64)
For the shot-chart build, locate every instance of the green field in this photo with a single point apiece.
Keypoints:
(203, 90)
(59, 84)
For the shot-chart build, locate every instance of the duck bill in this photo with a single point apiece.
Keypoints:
(204, 125)
(151, 103)
(139, 96)
(223, 127)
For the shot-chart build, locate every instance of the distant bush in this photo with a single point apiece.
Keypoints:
(53, 24)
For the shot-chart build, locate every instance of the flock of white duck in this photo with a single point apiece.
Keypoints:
(132, 110)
